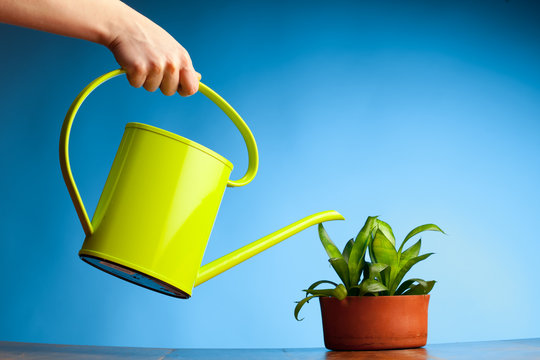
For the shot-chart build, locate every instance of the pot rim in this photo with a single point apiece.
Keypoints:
(375, 297)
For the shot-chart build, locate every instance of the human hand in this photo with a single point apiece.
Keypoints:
(152, 58)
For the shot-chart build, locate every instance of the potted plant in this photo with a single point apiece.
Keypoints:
(373, 308)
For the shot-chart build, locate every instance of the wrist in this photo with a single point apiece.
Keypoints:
(122, 17)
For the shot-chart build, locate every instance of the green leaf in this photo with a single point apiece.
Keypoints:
(404, 269)
(374, 271)
(366, 270)
(341, 268)
(347, 250)
(407, 284)
(421, 289)
(418, 230)
(383, 250)
(317, 283)
(377, 267)
(338, 292)
(320, 292)
(370, 286)
(410, 253)
(387, 275)
(300, 304)
(370, 247)
(387, 231)
(329, 246)
(358, 251)
(409, 288)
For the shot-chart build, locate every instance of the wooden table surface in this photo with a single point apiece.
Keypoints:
(493, 350)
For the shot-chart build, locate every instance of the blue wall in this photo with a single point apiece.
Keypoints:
(415, 111)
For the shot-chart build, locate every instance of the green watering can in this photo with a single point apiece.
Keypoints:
(160, 200)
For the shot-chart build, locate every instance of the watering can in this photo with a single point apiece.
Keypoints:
(157, 209)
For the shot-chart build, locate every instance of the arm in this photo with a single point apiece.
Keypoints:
(151, 57)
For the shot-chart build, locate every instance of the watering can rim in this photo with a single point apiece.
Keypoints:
(181, 139)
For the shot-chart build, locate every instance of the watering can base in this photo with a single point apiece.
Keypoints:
(135, 277)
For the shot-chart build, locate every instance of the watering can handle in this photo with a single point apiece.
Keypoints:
(70, 116)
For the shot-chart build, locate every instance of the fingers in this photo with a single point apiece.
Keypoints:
(148, 76)
(169, 85)
(169, 80)
(136, 75)
(154, 78)
(170, 76)
(189, 82)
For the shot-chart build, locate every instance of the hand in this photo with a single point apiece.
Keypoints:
(154, 59)
(151, 57)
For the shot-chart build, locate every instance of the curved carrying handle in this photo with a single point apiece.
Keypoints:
(70, 116)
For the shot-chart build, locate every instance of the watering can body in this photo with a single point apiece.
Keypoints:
(161, 187)
(158, 206)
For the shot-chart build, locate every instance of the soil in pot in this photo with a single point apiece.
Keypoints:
(375, 322)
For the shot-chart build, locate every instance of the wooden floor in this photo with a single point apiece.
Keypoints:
(491, 350)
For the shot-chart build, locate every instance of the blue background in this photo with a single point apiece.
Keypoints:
(416, 111)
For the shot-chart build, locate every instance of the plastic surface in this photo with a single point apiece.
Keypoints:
(159, 203)
(158, 207)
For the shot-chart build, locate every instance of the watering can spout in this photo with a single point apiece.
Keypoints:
(226, 262)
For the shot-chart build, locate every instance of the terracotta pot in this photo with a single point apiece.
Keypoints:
(375, 322)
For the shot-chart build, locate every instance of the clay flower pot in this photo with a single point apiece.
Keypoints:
(375, 322)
